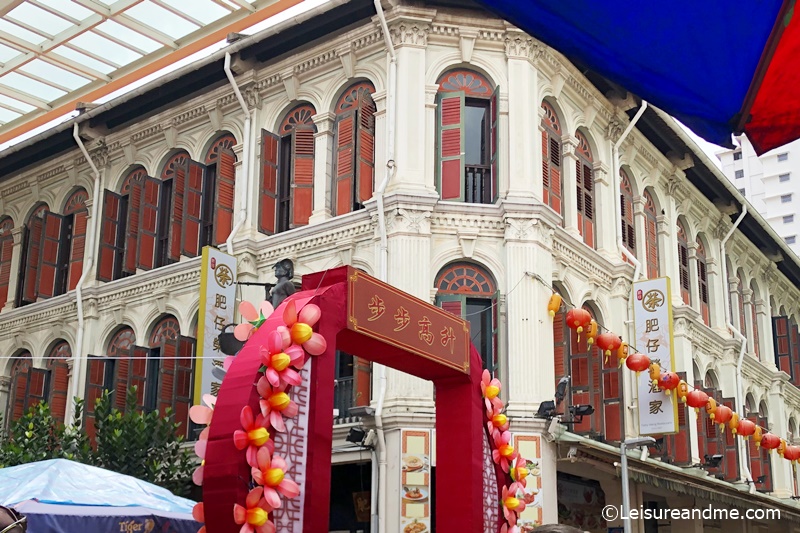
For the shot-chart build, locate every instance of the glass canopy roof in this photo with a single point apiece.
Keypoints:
(53, 52)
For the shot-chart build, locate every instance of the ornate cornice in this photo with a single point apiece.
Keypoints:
(410, 33)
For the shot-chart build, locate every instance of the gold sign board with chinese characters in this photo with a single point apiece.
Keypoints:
(380, 311)
(652, 314)
(217, 295)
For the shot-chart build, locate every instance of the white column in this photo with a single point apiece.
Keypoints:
(716, 300)
(323, 166)
(5, 388)
(605, 213)
(694, 282)
(524, 143)
(570, 183)
(748, 318)
(782, 483)
(16, 255)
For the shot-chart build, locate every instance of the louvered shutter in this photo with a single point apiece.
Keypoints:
(33, 244)
(122, 370)
(110, 248)
(78, 246)
(730, 449)
(781, 343)
(703, 283)
(628, 228)
(651, 230)
(754, 452)
(754, 318)
(6, 255)
(20, 392)
(148, 223)
(225, 196)
(679, 444)
(268, 198)
(585, 196)
(490, 193)
(176, 209)
(613, 413)
(132, 226)
(683, 258)
(38, 384)
(166, 379)
(59, 389)
(193, 209)
(182, 392)
(584, 380)
(95, 382)
(765, 458)
(302, 175)
(551, 171)
(794, 349)
(451, 146)
(344, 175)
(49, 268)
(138, 373)
(365, 170)
(560, 347)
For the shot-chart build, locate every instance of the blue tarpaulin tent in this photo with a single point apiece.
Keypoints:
(61, 496)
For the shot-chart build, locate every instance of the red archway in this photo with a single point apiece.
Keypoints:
(361, 316)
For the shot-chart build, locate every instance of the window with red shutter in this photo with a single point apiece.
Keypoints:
(164, 201)
(702, 282)
(58, 369)
(467, 140)
(683, 264)
(170, 371)
(781, 341)
(551, 158)
(132, 189)
(6, 256)
(17, 400)
(219, 194)
(585, 189)
(28, 281)
(268, 191)
(470, 291)
(193, 230)
(354, 153)
(53, 255)
(651, 236)
(76, 217)
(149, 234)
(754, 319)
(626, 212)
(112, 236)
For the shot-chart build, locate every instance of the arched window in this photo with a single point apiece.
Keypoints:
(683, 264)
(626, 211)
(760, 460)
(354, 152)
(287, 177)
(551, 158)
(119, 229)
(651, 236)
(30, 385)
(468, 291)
(6, 255)
(209, 201)
(712, 441)
(76, 218)
(58, 379)
(585, 195)
(467, 137)
(702, 282)
(169, 373)
(28, 284)
(754, 319)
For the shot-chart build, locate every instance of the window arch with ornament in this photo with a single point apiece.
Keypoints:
(584, 173)
(552, 149)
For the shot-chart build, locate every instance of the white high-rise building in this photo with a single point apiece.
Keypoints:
(771, 183)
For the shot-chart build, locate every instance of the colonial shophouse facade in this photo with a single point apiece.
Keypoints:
(503, 185)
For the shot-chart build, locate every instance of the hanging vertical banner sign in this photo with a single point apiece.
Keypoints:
(652, 314)
(217, 304)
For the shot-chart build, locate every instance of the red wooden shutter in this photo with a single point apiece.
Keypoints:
(765, 457)
(365, 173)
(95, 381)
(493, 186)
(756, 464)
(122, 369)
(20, 391)
(132, 226)
(754, 318)
(109, 233)
(224, 197)
(166, 380)
(182, 393)
(137, 373)
(34, 232)
(148, 223)
(6, 255)
(794, 349)
(585, 195)
(302, 174)
(551, 171)
(176, 212)
(613, 413)
(52, 235)
(730, 449)
(193, 209)
(269, 182)
(780, 340)
(628, 228)
(59, 389)
(79, 223)
(344, 176)
(651, 231)
(451, 146)
(38, 382)
(702, 280)
(683, 257)
(560, 348)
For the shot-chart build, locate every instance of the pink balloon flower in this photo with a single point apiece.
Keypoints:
(490, 388)
(254, 435)
(253, 317)
(275, 404)
(271, 474)
(254, 517)
(503, 453)
(298, 327)
(278, 359)
(512, 506)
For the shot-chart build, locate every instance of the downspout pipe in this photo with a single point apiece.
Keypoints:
(378, 492)
(740, 337)
(637, 265)
(245, 156)
(88, 263)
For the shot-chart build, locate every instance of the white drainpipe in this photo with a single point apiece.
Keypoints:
(78, 356)
(245, 186)
(637, 266)
(378, 492)
(738, 334)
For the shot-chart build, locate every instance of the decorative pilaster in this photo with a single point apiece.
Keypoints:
(748, 319)
(13, 279)
(570, 206)
(5, 387)
(641, 232)
(524, 158)
(694, 283)
(323, 161)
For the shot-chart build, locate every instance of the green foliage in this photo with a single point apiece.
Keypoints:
(141, 444)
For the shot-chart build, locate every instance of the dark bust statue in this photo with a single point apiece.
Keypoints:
(284, 271)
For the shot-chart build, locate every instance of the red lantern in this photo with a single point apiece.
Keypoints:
(668, 381)
(638, 362)
(746, 428)
(608, 342)
(770, 441)
(578, 319)
(697, 399)
(722, 415)
(792, 454)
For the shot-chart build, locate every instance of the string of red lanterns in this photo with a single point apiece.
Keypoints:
(580, 320)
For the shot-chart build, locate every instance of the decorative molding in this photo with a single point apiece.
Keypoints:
(170, 135)
(252, 97)
(146, 133)
(466, 43)
(291, 84)
(519, 229)
(129, 151)
(614, 130)
(467, 238)
(193, 114)
(410, 33)
(519, 46)
(347, 56)
(215, 116)
(60, 169)
(316, 61)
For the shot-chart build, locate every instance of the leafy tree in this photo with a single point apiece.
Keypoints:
(141, 444)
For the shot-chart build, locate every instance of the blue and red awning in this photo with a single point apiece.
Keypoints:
(718, 66)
